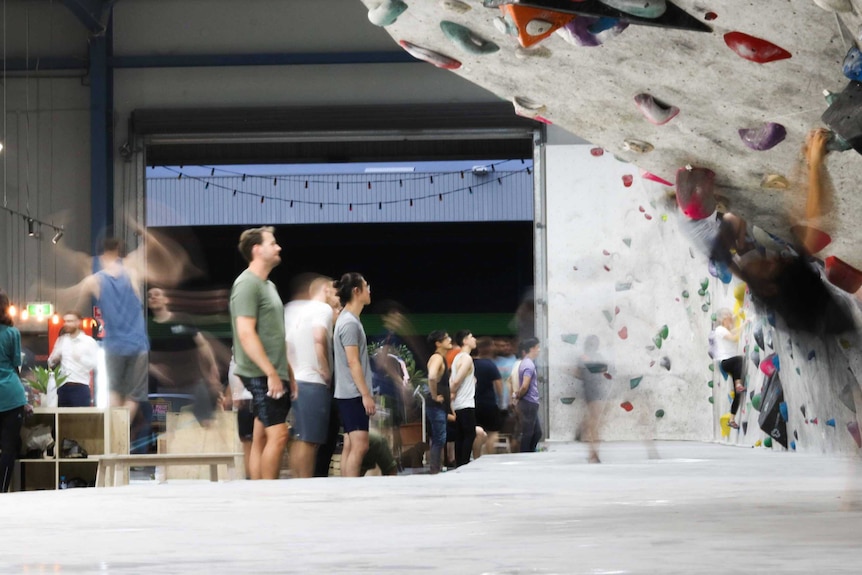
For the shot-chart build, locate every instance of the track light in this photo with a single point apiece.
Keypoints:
(1, 146)
(31, 227)
(57, 237)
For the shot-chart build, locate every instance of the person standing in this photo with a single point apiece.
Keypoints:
(13, 399)
(77, 354)
(462, 387)
(528, 396)
(438, 400)
(590, 369)
(309, 348)
(257, 316)
(489, 388)
(353, 372)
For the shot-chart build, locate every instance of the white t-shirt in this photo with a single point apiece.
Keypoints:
(301, 350)
(77, 356)
(725, 347)
(466, 396)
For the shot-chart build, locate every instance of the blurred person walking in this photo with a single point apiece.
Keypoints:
(13, 399)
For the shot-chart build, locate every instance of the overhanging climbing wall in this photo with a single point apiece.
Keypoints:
(620, 269)
(737, 99)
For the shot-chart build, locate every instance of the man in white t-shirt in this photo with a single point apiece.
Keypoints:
(309, 352)
(78, 354)
(728, 357)
(462, 386)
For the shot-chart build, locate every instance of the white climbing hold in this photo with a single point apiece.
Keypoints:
(638, 146)
(641, 8)
(538, 27)
(532, 52)
(456, 6)
(835, 5)
(386, 12)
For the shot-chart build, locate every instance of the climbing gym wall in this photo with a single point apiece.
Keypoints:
(619, 268)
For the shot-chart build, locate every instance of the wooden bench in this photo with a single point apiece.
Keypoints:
(114, 468)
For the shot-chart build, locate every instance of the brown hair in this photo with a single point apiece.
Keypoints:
(5, 318)
(250, 238)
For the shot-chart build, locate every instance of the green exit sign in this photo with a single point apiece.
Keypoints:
(40, 308)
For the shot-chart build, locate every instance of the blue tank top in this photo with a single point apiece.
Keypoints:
(123, 313)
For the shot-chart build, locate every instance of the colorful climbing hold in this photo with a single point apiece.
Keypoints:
(843, 275)
(665, 363)
(570, 338)
(852, 66)
(607, 267)
(534, 24)
(657, 341)
(814, 239)
(653, 178)
(811, 355)
(609, 316)
(709, 16)
(659, 413)
(802, 409)
(616, 310)
(430, 56)
(830, 422)
(627, 180)
(767, 442)
(652, 363)
(694, 192)
(782, 409)
(756, 401)
(793, 445)
(647, 216)
(627, 242)
(685, 294)
(386, 12)
(664, 331)
(767, 367)
(758, 336)
(606, 375)
(754, 49)
(664, 217)
(567, 400)
(724, 424)
(623, 333)
(709, 384)
(627, 406)
(596, 367)
(764, 137)
(467, 40)
(711, 400)
(456, 6)
(853, 429)
(638, 146)
(704, 284)
(623, 286)
(641, 209)
(844, 343)
(704, 307)
(635, 381)
(527, 108)
(744, 427)
(654, 110)
(712, 367)
(597, 152)
(814, 420)
(798, 372)
(774, 182)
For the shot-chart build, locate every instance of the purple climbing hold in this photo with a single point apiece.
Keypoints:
(763, 138)
(655, 110)
(577, 32)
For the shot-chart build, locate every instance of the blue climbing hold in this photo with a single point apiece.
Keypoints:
(830, 422)
(770, 318)
(719, 270)
(782, 407)
(811, 355)
(721, 371)
(793, 445)
(776, 362)
(852, 67)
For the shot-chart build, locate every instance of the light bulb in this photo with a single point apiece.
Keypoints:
(13, 311)
(25, 315)
(55, 319)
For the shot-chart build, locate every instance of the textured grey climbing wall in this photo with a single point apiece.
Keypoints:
(743, 119)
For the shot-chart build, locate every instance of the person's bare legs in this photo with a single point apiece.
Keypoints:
(246, 456)
(491, 443)
(302, 458)
(273, 450)
(480, 442)
(258, 441)
(355, 448)
(594, 410)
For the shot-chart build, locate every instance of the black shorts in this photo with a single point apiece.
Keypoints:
(245, 423)
(268, 410)
(488, 417)
(352, 414)
(733, 367)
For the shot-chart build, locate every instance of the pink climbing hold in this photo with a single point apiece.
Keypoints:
(654, 110)
(607, 375)
(606, 252)
(597, 152)
(647, 216)
(617, 310)
(627, 406)
(607, 268)
(430, 56)
(755, 49)
(853, 428)
(623, 333)
(653, 178)
(627, 180)
(694, 192)
(767, 367)
(814, 421)
(641, 209)
(652, 363)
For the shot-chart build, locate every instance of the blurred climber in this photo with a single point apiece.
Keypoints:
(590, 369)
(728, 357)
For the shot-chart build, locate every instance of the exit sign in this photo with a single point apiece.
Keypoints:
(40, 309)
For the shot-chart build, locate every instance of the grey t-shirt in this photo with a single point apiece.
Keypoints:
(349, 331)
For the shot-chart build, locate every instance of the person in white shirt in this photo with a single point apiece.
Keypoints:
(77, 354)
(309, 352)
(728, 357)
(462, 386)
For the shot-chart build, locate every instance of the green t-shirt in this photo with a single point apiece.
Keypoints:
(253, 297)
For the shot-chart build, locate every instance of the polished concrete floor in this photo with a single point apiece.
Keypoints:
(699, 508)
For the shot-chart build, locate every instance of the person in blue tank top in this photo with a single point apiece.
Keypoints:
(13, 399)
(117, 289)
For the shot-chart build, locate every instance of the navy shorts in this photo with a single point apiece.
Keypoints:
(268, 410)
(245, 422)
(352, 413)
(311, 412)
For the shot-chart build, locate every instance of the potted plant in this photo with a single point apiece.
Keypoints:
(40, 381)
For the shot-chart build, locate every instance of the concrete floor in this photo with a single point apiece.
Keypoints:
(701, 508)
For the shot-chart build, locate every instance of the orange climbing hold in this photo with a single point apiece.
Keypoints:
(755, 49)
(843, 275)
(534, 24)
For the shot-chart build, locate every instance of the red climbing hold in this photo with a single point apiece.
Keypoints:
(654, 178)
(627, 180)
(641, 209)
(853, 428)
(814, 421)
(755, 49)
(647, 216)
(623, 333)
(597, 152)
(607, 375)
(694, 192)
(843, 275)
(627, 406)
(709, 16)
(814, 239)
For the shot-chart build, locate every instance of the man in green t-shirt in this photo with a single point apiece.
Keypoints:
(257, 317)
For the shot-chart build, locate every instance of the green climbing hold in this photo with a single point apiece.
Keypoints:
(659, 413)
(685, 293)
(657, 341)
(711, 400)
(714, 317)
(712, 367)
(767, 442)
(627, 242)
(609, 315)
(571, 338)
(635, 381)
(567, 400)
(705, 307)
(701, 292)
(798, 372)
(709, 384)
(756, 401)
(664, 217)
(704, 284)
(664, 332)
